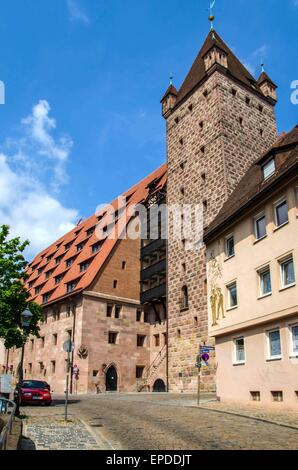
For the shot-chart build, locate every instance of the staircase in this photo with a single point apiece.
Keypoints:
(150, 371)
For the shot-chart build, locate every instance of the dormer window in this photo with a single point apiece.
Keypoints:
(269, 168)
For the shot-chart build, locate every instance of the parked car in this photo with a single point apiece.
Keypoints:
(32, 392)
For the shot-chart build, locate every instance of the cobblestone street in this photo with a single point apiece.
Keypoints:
(160, 422)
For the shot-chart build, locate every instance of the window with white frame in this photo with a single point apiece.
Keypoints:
(294, 334)
(269, 168)
(274, 344)
(239, 350)
(230, 246)
(260, 226)
(281, 213)
(232, 295)
(265, 281)
(287, 272)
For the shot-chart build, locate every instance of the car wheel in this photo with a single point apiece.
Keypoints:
(49, 403)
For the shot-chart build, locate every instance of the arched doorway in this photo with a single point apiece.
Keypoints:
(159, 386)
(111, 379)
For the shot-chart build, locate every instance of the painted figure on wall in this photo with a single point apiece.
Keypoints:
(216, 298)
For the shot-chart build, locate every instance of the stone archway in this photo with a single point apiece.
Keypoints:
(111, 379)
(159, 386)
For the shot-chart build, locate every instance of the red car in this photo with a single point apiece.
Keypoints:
(33, 392)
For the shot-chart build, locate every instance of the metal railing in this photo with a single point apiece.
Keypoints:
(7, 410)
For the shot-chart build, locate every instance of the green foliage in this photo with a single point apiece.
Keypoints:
(14, 297)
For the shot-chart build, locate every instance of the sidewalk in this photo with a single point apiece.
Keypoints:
(273, 414)
(52, 433)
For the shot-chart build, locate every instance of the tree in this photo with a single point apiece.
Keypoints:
(14, 296)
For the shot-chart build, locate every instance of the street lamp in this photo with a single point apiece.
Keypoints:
(26, 316)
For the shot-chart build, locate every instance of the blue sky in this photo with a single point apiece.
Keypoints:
(82, 120)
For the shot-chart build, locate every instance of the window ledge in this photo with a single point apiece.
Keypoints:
(280, 226)
(258, 240)
(242, 363)
(273, 359)
(265, 296)
(232, 308)
(229, 257)
(293, 356)
(184, 309)
(287, 287)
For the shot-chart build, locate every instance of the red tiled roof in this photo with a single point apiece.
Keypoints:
(135, 195)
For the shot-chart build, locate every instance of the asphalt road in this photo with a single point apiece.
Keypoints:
(169, 422)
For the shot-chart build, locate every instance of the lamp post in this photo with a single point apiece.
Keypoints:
(26, 316)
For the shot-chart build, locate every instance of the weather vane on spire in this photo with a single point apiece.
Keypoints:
(211, 16)
(171, 79)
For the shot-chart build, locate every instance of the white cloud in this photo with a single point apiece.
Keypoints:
(32, 168)
(76, 13)
(261, 52)
(38, 127)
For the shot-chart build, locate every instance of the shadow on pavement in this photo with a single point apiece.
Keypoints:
(26, 444)
(57, 402)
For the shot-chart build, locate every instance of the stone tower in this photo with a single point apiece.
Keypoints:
(218, 123)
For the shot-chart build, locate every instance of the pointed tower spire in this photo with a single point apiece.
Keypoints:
(267, 86)
(169, 99)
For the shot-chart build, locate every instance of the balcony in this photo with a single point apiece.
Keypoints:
(156, 268)
(155, 245)
(154, 294)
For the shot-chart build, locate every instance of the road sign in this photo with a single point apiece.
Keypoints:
(205, 357)
(68, 346)
(206, 349)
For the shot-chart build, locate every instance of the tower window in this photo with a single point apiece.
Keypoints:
(205, 93)
(261, 132)
(201, 124)
(141, 339)
(123, 265)
(182, 191)
(261, 108)
(203, 149)
(241, 121)
(184, 297)
(113, 337)
(179, 333)
(205, 204)
(234, 92)
(181, 142)
(115, 284)
(190, 107)
(109, 311)
(247, 100)
(203, 176)
(139, 371)
(118, 310)
(182, 165)
(177, 120)
(139, 315)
